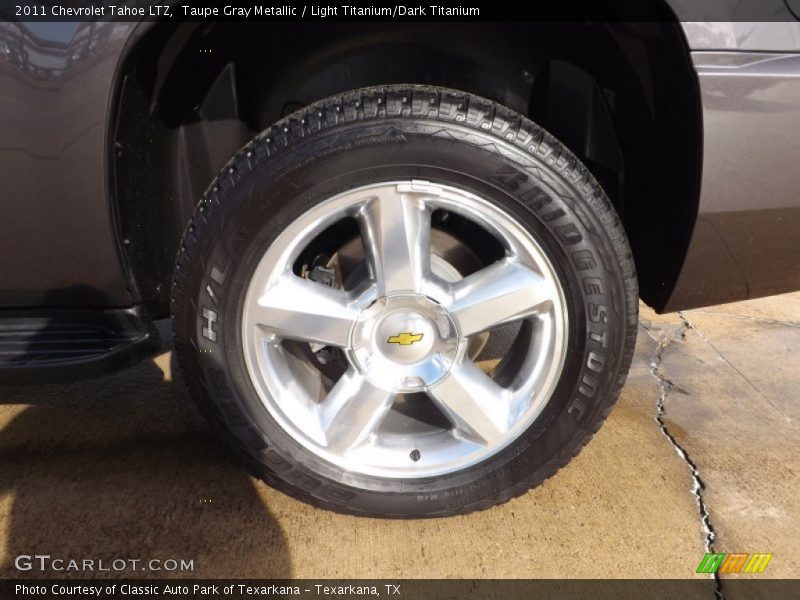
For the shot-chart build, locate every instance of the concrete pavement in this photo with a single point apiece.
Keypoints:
(124, 467)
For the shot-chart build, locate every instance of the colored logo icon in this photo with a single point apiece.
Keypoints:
(734, 563)
(405, 338)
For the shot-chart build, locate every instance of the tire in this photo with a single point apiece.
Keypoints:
(325, 155)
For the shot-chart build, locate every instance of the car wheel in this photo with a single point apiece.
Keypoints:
(405, 301)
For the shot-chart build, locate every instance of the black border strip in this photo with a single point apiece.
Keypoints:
(408, 11)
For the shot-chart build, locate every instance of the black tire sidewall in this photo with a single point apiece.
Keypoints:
(277, 189)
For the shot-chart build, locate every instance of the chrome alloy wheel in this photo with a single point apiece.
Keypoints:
(404, 328)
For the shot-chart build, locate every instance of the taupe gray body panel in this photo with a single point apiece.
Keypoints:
(746, 242)
(57, 237)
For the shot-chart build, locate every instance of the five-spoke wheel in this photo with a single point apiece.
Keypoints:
(404, 328)
(405, 301)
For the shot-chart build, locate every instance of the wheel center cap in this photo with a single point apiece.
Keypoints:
(404, 343)
(406, 336)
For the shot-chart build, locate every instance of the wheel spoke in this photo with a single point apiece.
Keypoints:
(476, 405)
(503, 292)
(304, 310)
(395, 229)
(352, 411)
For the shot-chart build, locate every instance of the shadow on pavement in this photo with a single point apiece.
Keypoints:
(124, 467)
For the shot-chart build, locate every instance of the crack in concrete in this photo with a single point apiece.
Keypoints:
(698, 487)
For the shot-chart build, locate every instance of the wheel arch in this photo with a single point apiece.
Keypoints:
(623, 97)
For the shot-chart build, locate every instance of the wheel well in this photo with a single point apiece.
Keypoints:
(623, 97)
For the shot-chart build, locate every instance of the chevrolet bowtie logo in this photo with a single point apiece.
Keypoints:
(405, 338)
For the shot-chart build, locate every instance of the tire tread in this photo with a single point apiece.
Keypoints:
(413, 102)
